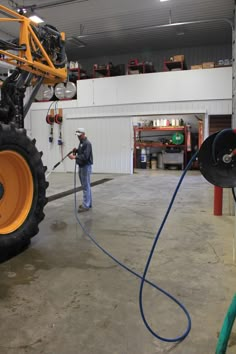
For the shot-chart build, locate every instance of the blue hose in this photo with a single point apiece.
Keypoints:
(143, 277)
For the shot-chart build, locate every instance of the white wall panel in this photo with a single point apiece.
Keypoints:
(111, 139)
(106, 91)
(213, 107)
(189, 85)
(85, 93)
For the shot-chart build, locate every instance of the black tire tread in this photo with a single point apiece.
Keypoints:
(16, 139)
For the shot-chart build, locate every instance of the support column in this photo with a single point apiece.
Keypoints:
(234, 70)
(206, 126)
(218, 200)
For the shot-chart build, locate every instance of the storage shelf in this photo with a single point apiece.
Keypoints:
(169, 128)
(141, 68)
(153, 144)
(139, 144)
(170, 65)
(77, 74)
(77, 69)
(101, 72)
(223, 66)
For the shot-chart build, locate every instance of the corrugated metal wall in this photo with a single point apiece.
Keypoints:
(111, 137)
(193, 55)
(112, 142)
(109, 129)
(212, 107)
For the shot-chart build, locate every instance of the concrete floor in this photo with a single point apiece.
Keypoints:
(64, 296)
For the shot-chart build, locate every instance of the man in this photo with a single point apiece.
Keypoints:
(84, 158)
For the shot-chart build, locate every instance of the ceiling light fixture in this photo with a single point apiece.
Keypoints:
(180, 32)
(36, 19)
(21, 11)
(163, 0)
(76, 41)
(29, 12)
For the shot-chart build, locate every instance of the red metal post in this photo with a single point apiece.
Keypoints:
(218, 200)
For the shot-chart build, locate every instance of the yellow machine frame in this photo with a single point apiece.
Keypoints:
(42, 67)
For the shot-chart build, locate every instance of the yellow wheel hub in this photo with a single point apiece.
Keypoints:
(16, 191)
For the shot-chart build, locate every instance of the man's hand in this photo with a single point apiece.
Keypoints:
(72, 157)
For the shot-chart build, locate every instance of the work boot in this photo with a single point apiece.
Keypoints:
(82, 209)
(81, 206)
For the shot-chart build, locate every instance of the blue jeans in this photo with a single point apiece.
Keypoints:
(84, 176)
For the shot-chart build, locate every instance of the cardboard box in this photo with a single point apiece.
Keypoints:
(178, 57)
(208, 65)
(195, 67)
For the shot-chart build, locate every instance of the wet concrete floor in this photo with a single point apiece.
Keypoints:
(64, 296)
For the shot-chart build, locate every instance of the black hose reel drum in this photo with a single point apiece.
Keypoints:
(217, 158)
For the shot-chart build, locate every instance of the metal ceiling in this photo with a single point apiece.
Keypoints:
(110, 27)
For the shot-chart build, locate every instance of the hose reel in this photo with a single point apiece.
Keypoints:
(217, 158)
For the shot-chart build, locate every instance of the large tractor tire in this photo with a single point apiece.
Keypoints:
(22, 190)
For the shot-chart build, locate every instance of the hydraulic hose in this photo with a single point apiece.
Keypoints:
(143, 276)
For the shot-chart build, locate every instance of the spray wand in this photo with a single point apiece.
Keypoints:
(58, 163)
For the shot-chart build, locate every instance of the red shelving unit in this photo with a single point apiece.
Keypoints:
(101, 70)
(173, 65)
(77, 74)
(139, 68)
(140, 143)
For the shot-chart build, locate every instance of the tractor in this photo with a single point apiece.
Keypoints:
(37, 57)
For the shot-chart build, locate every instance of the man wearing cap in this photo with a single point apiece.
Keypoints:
(84, 158)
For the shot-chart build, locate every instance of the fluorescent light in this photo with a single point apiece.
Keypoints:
(76, 41)
(36, 19)
(21, 11)
(163, 0)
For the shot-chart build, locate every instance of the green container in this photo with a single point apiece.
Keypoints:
(177, 138)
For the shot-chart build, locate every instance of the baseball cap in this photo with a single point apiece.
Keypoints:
(80, 131)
